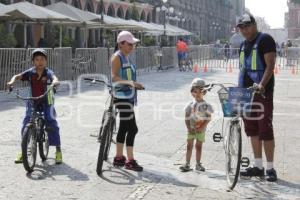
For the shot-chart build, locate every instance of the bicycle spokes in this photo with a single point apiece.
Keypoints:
(233, 155)
(31, 149)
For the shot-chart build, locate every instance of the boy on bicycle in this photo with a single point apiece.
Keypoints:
(197, 116)
(39, 76)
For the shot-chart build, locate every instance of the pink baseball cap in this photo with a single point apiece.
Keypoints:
(127, 36)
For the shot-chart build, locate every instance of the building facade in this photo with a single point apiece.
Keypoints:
(292, 19)
(115, 8)
(208, 19)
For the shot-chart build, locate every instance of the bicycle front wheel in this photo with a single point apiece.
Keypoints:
(103, 144)
(233, 155)
(29, 148)
(109, 138)
(44, 146)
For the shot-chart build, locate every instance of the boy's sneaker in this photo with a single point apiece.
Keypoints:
(199, 167)
(253, 171)
(58, 157)
(119, 161)
(185, 168)
(271, 175)
(19, 158)
(133, 165)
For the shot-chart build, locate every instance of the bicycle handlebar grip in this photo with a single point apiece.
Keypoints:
(11, 88)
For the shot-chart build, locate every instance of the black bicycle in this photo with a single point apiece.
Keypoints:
(236, 102)
(108, 126)
(35, 132)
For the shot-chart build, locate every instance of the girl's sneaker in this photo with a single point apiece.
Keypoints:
(119, 161)
(185, 168)
(199, 167)
(133, 165)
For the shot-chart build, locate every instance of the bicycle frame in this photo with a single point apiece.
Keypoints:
(36, 117)
(232, 139)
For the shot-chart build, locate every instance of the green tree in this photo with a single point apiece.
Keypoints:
(7, 40)
(149, 41)
(135, 13)
(196, 40)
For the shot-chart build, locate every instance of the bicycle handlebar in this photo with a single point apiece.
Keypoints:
(93, 80)
(33, 98)
(254, 88)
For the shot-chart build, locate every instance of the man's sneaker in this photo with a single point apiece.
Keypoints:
(185, 168)
(253, 171)
(58, 157)
(133, 165)
(199, 167)
(19, 158)
(119, 161)
(271, 175)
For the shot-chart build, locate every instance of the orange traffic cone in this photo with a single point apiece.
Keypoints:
(230, 70)
(205, 69)
(276, 69)
(293, 69)
(196, 68)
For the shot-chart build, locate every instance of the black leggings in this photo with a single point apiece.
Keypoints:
(128, 128)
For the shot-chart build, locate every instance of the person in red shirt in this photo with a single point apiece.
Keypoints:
(182, 49)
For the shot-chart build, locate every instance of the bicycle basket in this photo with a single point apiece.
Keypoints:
(235, 100)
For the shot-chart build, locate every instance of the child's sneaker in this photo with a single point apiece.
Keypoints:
(119, 161)
(185, 168)
(199, 167)
(133, 165)
(19, 158)
(58, 157)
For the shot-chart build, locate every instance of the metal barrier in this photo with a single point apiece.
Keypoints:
(145, 57)
(169, 57)
(97, 60)
(12, 61)
(62, 64)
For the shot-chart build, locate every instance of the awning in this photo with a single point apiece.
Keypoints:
(26, 13)
(37, 13)
(170, 30)
(91, 20)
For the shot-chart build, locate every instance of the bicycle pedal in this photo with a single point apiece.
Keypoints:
(217, 137)
(245, 162)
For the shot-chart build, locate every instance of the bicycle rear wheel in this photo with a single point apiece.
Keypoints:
(233, 155)
(29, 148)
(103, 143)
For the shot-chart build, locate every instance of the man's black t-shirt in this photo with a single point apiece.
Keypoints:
(266, 45)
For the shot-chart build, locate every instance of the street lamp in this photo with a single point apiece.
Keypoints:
(215, 27)
(166, 10)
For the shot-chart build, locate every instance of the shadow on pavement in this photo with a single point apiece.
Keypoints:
(259, 188)
(52, 171)
(147, 176)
